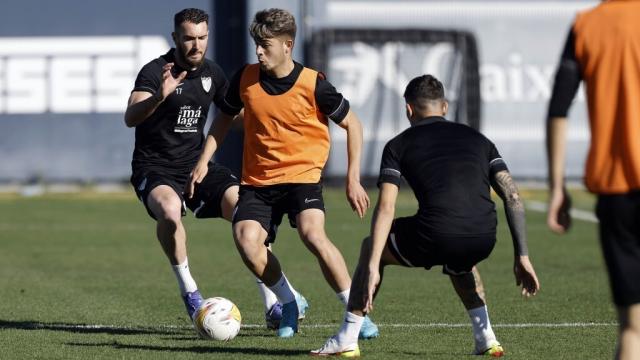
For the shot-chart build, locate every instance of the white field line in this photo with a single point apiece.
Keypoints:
(318, 326)
(583, 215)
(459, 325)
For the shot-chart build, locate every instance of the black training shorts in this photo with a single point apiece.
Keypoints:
(413, 246)
(207, 196)
(619, 217)
(268, 204)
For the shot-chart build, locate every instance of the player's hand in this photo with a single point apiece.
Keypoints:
(558, 216)
(373, 280)
(170, 83)
(196, 176)
(526, 276)
(358, 198)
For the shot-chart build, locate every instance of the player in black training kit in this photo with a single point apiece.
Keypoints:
(449, 167)
(168, 107)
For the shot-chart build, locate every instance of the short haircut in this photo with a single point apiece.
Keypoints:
(423, 91)
(195, 16)
(273, 22)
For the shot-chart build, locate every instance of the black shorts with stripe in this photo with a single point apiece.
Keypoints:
(207, 196)
(619, 217)
(268, 204)
(412, 246)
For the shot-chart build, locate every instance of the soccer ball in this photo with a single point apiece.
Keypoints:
(217, 318)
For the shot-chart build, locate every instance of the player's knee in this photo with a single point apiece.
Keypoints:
(248, 240)
(244, 233)
(166, 207)
(245, 240)
(169, 213)
(314, 237)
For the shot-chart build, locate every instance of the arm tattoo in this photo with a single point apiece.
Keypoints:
(504, 186)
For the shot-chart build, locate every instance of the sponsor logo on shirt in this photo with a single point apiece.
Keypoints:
(188, 119)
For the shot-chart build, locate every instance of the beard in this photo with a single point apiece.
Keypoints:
(180, 54)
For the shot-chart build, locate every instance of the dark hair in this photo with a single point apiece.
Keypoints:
(423, 91)
(195, 16)
(270, 23)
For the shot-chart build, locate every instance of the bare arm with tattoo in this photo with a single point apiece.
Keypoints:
(504, 186)
(523, 270)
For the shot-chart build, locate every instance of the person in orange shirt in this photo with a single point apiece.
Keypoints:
(603, 49)
(286, 145)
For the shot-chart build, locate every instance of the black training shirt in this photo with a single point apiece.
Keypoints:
(448, 166)
(172, 137)
(330, 102)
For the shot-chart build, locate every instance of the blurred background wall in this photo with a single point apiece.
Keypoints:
(67, 68)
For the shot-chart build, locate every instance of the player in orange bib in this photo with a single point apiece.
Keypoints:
(286, 145)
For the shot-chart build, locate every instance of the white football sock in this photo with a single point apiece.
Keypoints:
(185, 281)
(268, 297)
(290, 286)
(482, 332)
(344, 296)
(350, 328)
(283, 291)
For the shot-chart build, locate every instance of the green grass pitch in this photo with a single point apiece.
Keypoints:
(82, 277)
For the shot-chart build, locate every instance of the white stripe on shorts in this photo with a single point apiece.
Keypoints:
(392, 236)
(197, 210)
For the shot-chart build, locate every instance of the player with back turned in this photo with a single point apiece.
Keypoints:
(450, 168)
